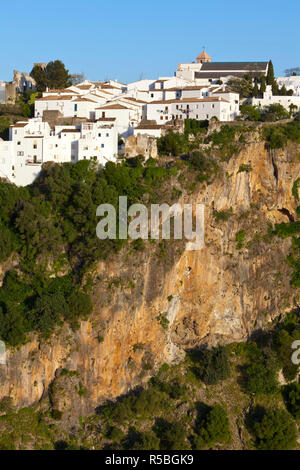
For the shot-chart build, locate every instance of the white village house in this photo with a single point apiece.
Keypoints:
(288, 102)
(33, 143)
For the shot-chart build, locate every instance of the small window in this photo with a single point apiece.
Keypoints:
(107, 134)
(19, 143)
(99, 135)
(75, 108)
(102, 146)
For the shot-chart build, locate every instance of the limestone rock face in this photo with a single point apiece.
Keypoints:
(141, 145)
(149, 309)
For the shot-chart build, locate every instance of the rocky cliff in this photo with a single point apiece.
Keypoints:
(152, 305)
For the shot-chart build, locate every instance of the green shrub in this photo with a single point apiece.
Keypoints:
(291, 394)
(213, 429)
(261, 375)
(274, 430)
(239, 238)
(222, 215)
(212, 366)
(56, 414)
(172, 435)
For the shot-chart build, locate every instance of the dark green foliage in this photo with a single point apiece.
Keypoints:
(261, 374)
(283, 338)
(54, 75)
(222, 215)
(146, 441)
(4, 128)
(56, 414)
(6, 405)
(225, 141)
(251, 113)
(53, 222)
(291, 394)
(193, 126)
(38, 307)
(273, 429)
(211, 365)
(172, 435)
(214, 428)
(263, 85)
(207, 167)
(239, 238)
(245, 168)
(295, 189)
(243, 86)
(270, 74)
(274, 112)
(172, 144)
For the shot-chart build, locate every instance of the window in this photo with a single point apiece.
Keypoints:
(161, 118)
(16, 131)
(99, 135)
(102, 146)
(166, 118)
(207, 116)
(107, 134)
(212, 105)
(20, 154)
(19, 143)
(176, 106)
(75, 107)
(152, 95)
(34, 146)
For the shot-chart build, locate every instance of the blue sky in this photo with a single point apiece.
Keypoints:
(130, 39)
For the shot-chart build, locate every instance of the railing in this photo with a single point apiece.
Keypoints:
(31, 162)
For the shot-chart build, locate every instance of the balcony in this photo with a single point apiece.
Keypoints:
(32, 162)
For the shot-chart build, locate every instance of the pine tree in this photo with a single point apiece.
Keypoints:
(255, 88)
(270, 74)
(275, 88)
(262, 85)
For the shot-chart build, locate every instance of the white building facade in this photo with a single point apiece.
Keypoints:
(33, 143)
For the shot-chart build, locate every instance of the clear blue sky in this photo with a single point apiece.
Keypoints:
(127, 39)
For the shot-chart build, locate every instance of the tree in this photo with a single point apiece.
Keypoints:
(270, 74)
(215, 428)
(263, 85)
(251, 113)
(275, 112)
(243, 86)
(54, 75)
(57, 75)
(275, 430)
(291, 394)
(213, 365)
(255, 88)
(39, 74)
